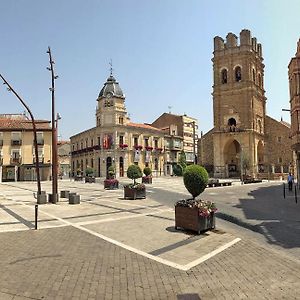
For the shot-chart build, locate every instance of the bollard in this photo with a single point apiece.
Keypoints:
(296, 200)
(36, 216)
(284, 190)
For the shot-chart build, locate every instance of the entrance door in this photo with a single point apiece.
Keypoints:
(121, 164)
(108, 164)
(99, 165)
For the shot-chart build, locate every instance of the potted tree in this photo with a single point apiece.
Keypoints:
(134, 190)
(111, 182)
(89, 178)
(148, 175)
(193, 214)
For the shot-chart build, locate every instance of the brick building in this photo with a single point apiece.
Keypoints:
(244, 140)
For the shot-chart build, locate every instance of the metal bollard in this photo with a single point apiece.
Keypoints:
(36, 216)
(284, 190)
(296, 200)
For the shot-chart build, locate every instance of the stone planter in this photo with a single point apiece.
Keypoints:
(89, 179)
(42, 198)
(64, 194)
(53, 198)
(74, 198)
(147, 179)
(111, 184)
(134, 193)
(78, 178)
(188, 218)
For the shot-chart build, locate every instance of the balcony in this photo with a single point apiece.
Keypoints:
(16, 142)
(41, 160)
(15, 160)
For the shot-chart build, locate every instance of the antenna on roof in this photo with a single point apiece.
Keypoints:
(169, 107)
(111, 68)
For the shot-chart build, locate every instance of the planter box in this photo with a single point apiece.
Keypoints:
(53, 198)
(78, 178)
(131, 193)
(108, 184)
(147, 179)
(188, 218)
(90, 180)
(74, 198)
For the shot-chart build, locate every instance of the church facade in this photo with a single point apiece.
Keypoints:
(244, 140)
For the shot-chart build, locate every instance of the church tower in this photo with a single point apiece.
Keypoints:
(239, 105)
(111, 110)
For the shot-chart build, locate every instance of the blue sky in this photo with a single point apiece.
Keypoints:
(161, 53)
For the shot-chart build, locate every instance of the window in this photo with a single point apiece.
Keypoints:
(121, 140)
(146, 142)
(224, 76)
(16, 138)
(155, 143)
(253, 75)
(86, 162)
(135, 141)
(279, 139)
(259, 80)
(92, 142)
(98, 138)
(280, 159)
(40, 138)
(238, 74)
(121, 120)
(15, 155)
(86, 143)
(73, 147)
(92, 163)
(81, 144)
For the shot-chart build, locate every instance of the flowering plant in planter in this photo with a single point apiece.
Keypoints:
(138, 147)
(134, 190)
(110, 182)
(193, 214)
(123, 146)
(149, 148)
(148, 175)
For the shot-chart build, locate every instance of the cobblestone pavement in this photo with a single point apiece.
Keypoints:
(66, 262)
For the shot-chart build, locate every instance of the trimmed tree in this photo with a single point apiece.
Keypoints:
(134, 172)
(195, 179)
(147, 171)
(182, 160)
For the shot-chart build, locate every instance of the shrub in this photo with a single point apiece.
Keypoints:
(195, 179)
(147, 171)
(111, 172)
(89, 171)
(178, 170)
(134, 172)
(182, 160)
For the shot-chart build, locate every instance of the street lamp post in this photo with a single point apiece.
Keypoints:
(54, 196)
(34, 136)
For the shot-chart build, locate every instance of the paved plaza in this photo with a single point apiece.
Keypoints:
(111, 248)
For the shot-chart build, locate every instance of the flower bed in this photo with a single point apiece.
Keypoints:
(135, 191)
(111, 184)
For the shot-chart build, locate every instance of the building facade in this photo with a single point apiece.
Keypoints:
(184, 132)
(243, 138)
(64, 158)
(294, 83)
(17, 156)
(115, 140)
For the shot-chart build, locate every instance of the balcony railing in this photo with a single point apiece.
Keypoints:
(40, 142)
(41, 160)
(16, 142)
(15, 160)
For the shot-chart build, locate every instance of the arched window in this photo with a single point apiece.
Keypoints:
(232, 124)
(238, 74)
(224, 76)
(121, 120)
(253, 75)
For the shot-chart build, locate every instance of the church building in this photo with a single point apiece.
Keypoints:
(244, 139)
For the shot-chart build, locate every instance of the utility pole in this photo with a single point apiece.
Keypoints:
(37, 169)
(54, 197)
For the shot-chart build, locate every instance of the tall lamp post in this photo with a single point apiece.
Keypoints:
(54, 196)
(10, 89)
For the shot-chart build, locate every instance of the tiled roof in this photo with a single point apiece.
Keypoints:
(144, 126)
(19, 124)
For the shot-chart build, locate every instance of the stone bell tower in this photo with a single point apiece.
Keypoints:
(239, 105)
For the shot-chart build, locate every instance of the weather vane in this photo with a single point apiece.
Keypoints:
(111, 68)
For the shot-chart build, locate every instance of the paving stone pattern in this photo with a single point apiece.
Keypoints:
(67, 263)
